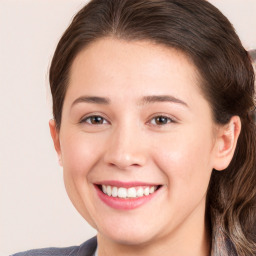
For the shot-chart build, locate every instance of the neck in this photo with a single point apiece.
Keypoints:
(191, 238)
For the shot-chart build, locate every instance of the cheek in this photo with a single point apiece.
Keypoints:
(79, 154)
(186, 162)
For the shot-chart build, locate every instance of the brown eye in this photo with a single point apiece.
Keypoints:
(94, 120)
(161, 120)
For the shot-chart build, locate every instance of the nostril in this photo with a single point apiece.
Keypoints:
(123, 165)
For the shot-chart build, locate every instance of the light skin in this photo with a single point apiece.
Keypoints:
(129, 85)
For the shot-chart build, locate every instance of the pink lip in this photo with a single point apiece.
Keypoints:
(128, 203)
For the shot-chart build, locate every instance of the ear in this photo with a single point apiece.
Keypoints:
(55, 138)
(225, 143)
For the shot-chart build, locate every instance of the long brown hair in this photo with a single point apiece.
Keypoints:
(204, 34)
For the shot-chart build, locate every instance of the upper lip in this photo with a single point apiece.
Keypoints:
(123, 184)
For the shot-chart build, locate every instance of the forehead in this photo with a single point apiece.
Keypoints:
(113, 66)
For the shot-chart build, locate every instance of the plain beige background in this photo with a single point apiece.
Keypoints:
(35, 211)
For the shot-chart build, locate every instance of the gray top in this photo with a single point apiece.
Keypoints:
(88, 248)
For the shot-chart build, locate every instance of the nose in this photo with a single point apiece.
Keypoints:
(125, 149)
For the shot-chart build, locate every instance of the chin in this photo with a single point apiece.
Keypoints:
(131, 240)
(128, 235)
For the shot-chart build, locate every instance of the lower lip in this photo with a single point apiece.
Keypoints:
(124, 204)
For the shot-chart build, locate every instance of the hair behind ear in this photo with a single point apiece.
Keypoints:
(232, 197)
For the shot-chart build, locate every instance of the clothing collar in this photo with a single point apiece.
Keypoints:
(89, 248)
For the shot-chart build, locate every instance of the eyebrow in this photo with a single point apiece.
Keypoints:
(143, 101)
(91, 99)
(162, 98)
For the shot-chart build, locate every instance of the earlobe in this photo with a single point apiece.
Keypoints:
(55, 138)
(227, 138)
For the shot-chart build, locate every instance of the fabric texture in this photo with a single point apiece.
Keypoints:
(88, 248)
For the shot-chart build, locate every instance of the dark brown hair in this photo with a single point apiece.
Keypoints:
(204, 34)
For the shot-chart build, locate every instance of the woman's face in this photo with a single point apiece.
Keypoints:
(135, 122)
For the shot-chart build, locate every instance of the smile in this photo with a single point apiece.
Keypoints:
(126, 196)
(132, 192)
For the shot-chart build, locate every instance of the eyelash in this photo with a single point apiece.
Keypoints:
(166, 118)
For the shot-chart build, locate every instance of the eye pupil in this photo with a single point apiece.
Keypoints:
(96, 120)
(161, 120)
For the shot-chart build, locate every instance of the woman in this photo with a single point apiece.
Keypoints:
(152, 105)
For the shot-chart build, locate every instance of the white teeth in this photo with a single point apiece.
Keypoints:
(122, 192)
(132, 192)
(109, 190)
(140, 192)
(146, 191)
(114, 191)
(152, 190)
(104, 188)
